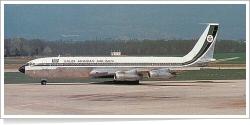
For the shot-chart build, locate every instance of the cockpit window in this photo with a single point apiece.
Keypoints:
(30, 64)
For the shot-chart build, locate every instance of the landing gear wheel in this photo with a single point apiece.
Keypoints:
(43, 82)
(137, 82)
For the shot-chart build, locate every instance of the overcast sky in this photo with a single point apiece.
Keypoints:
(88, 22)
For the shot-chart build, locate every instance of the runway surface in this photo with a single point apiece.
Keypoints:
(213, 97)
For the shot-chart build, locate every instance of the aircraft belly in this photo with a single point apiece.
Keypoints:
(60, 72)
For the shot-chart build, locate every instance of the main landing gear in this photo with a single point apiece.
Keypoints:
(43, 81)
(137, 82)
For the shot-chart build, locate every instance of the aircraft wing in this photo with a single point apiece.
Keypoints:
(132, 74)
(144, 72)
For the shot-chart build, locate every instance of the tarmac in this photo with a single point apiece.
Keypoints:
(205, 97)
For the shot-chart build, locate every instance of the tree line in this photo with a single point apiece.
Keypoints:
(34, 47)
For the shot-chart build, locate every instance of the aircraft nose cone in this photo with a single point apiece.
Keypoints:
(22, 69)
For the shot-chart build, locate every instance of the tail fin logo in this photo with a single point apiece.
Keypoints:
(210, 38)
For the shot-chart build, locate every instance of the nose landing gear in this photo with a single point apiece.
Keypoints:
(43, 81)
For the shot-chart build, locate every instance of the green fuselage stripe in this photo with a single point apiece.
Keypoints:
(212, 31)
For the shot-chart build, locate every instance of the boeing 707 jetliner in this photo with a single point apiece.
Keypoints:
(125, 68)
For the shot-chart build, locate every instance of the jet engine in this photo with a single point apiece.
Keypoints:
(161, 74)
(127, 76)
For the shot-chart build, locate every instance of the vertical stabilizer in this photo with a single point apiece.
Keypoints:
(204, 49)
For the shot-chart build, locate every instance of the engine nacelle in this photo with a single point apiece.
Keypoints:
(127, 76)
(161, 74)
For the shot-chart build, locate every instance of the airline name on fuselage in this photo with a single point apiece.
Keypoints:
(83, 61)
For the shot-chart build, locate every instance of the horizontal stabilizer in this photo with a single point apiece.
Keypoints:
(226, 59)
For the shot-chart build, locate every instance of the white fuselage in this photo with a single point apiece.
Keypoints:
(77, 67)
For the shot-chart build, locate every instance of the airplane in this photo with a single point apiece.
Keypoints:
(125, 68)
